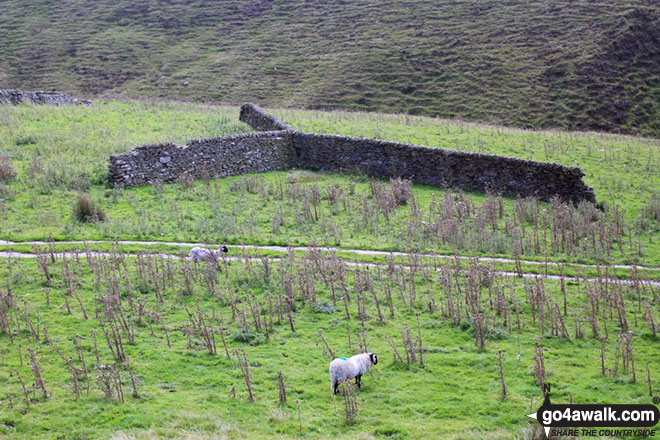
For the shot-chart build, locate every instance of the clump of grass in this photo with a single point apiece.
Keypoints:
(401, 190)
(278, 415)
(247, 337)
(25, 140)
(6, 192)
(7, 171)
(324, 307)
(86, 211)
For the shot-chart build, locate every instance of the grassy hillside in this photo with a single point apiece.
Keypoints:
(571, 64)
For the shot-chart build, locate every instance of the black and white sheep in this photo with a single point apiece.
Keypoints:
(203, 254)
(343, 369)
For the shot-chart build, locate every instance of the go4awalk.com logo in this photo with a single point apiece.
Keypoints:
(619, 420)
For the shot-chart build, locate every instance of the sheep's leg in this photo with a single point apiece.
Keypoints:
(335, 384)
(358, 380)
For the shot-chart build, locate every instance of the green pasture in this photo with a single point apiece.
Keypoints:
(59, 152)
(184, 392)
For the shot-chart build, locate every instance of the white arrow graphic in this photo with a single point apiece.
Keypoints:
(545, 428)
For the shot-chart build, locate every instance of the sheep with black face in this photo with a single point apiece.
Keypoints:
(203, 254)
(343, 369)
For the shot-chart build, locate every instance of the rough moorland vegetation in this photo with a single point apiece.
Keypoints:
(570, 64)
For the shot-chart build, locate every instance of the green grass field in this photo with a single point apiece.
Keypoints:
(183, 390)
(186, 392)
(352, 212)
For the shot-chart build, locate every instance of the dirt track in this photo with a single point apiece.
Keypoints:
(354, 251)
(5, 254)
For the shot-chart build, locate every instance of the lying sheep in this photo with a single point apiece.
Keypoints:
(342, 369)
(203, 254)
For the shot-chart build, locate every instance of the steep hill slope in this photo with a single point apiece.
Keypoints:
(572, 64)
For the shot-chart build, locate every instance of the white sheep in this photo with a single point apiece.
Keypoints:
(203, 254)
(342, 369)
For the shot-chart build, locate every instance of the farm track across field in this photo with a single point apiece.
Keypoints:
(8, 254)
(334, 249)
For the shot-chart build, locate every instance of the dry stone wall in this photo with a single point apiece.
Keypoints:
(257, 118)
(15, 97)
(435, 166)
(214, 157)
(281, 148)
